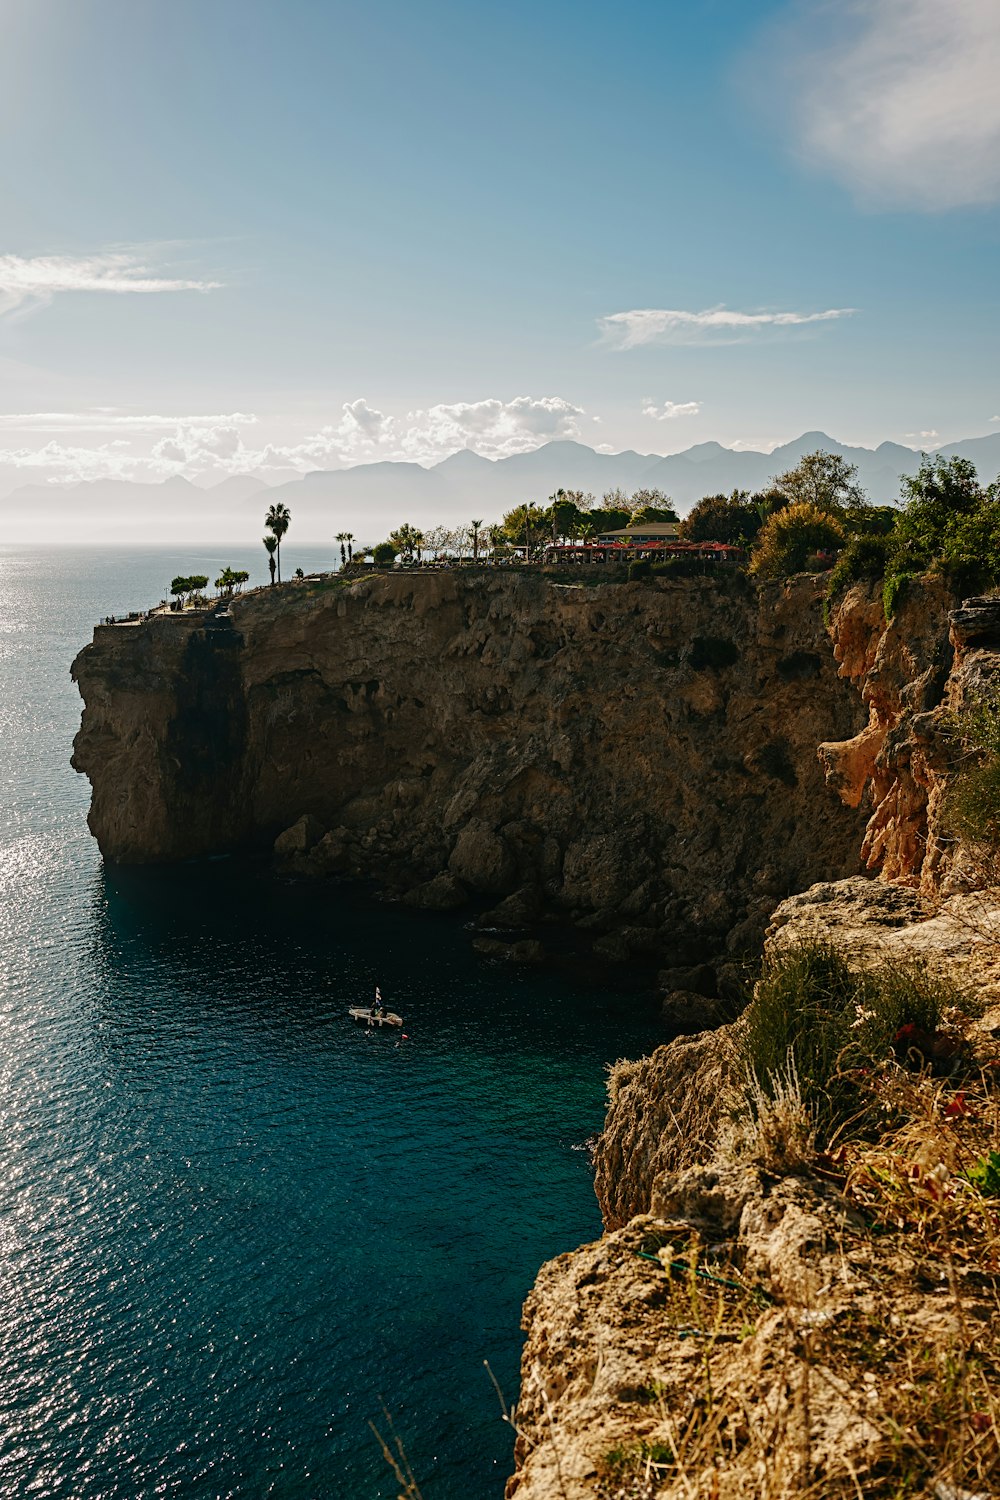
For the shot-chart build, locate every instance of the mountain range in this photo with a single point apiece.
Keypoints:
(371, 499)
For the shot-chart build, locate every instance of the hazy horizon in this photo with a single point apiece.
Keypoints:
(370, 500)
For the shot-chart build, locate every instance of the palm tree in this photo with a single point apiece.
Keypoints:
(474, 528)
(277, 521)
(407, 539)
(349, 538)
(271, 546)
(342, 538)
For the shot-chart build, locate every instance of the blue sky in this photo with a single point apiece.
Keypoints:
(281, 236)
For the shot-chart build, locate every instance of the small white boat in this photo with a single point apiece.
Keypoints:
(367, 1016)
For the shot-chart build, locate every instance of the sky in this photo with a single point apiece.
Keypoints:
(274, 236)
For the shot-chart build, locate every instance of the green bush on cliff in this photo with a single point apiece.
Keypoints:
(384, 554)
(817, 1019)
(865, 556)
(894, 592)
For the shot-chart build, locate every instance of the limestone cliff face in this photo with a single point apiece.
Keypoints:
(930, 661)
(612, 1366)
(642, 755)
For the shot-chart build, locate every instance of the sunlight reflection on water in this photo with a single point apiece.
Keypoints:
(229, 1221)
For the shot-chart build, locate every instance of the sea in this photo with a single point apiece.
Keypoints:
(235, 1229)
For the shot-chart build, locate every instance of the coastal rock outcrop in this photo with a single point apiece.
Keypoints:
(641, 757)
(739, 1332)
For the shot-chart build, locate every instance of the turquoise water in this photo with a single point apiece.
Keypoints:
(231, 1224)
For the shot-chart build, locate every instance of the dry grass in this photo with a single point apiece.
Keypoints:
(895, 1340)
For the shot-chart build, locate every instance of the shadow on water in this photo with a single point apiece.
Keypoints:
(321, 1217)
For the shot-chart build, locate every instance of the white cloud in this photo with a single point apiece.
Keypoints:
(755, 445)
(27, 282)
(925, 434)
(671, 325)
(491, 428)
(899, 98)
(111, 419)
(670, 410)
(69, 464)
(995, 419)
(212, 446)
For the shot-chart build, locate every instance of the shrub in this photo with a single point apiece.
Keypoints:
(816, 1021)
(679, 567)
(792, 535)
(722, 518)
(384, 554)
(640, 568)
(894, 592)
(863, 557)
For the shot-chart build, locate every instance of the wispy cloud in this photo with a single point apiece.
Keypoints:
(27, 282)
(898, 98)
(112, 419)
(926, 434)
(670, 410)
(671, 325)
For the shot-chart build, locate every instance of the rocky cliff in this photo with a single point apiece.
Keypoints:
(739, 1332)
(638, 758)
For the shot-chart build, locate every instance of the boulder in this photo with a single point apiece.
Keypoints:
(482, 860)
(518, 910)
(618, 947)
(527, 951)
(688, 1012)
(300, 838)
(332, 856)
(443, 893)
(698, 978)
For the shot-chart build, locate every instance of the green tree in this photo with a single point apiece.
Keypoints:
(652, 506)
(270, 547)
(609, 518)
(499, 544)
(277, 521)
(231, 581)
(475, 527)
(789, 537)
(385, 554)
(349, 539)
(941, 507)
(408, 540)
(524, 526)
(180, 586)
(342, 539)
(825, 480)
(733, 519)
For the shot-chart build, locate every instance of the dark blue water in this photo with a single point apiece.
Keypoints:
(231, 1224)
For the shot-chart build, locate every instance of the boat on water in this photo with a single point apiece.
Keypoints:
(367, 1015)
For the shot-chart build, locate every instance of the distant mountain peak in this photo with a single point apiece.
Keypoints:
(702, 452)
(465, 458)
